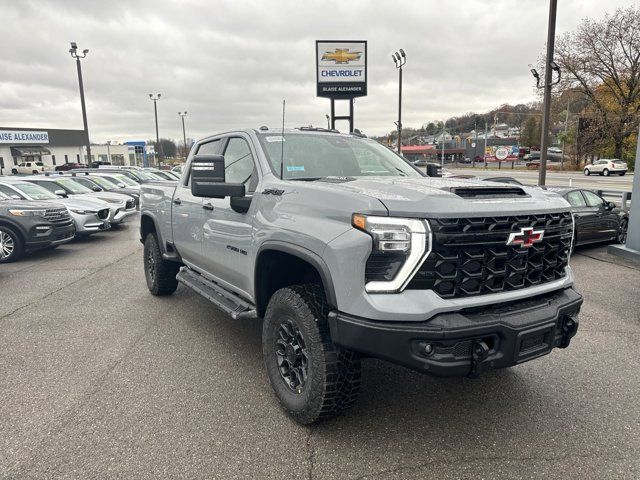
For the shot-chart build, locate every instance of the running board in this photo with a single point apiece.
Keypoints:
(228, 302)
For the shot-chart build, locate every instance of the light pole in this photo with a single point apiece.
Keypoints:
(442, 157)
(109, 151)
(155, 111)
(74, 53)
(184, 133)
(399, 59)
(550, 65)
(328, 122)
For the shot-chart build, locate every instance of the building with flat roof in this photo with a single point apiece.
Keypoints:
(55, 147)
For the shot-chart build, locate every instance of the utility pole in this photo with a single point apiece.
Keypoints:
(74, 53)
(551, 35)
(475, 143)
(484, 153)
(399, 59)
(184, 134)
(109, 151)
(442, 157)
(564, 139)
(155, 111)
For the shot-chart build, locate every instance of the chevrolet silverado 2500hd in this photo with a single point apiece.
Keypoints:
(345, 250)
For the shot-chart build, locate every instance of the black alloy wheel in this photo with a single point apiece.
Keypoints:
(291, 356)
(622, 231)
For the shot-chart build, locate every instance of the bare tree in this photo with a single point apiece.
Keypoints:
(602, 60)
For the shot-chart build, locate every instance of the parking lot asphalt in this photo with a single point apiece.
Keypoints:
(99, 379)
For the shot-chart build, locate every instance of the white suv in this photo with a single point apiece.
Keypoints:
(606, 167)
(30, 168)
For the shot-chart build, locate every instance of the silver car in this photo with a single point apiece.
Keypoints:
(121, 206)
(88, 215)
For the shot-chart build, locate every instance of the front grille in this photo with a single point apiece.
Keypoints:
(103, 214)
(57, 215)
(470, 257)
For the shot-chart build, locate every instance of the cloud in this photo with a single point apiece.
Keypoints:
(230, 63)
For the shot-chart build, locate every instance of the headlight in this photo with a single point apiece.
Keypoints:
(82, 212)
(27, 213)
(399, 246)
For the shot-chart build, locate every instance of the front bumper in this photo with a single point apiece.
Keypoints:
(120, 214)
(56, 234)
(469, 341)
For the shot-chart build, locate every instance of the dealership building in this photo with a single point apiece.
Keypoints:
(56, 147)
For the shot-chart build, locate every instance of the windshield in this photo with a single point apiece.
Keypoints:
(104, 183)
(72, 186)
(124, 179)
(313, 156)
(34, 192)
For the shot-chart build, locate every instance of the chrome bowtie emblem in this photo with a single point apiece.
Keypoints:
(526, 237)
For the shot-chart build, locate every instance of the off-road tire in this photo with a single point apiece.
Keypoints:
(17, 245)
(159, 273)
(333, 373)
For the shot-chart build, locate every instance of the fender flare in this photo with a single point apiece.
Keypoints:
(310, 257)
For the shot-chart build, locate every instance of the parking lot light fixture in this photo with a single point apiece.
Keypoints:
(184, 133)
(74, 53)
(155, 111)
(399, 58)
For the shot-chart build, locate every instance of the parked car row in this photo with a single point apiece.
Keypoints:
(51, 208)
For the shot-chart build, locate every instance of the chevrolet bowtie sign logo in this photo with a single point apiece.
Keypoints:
(341, 56)
(526, 237)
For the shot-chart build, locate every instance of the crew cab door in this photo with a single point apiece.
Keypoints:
(227, 232)
(187, 215)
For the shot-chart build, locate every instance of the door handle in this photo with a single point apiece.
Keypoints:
(177, 201)
(207, 206)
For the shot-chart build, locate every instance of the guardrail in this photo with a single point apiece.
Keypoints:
(623, 197)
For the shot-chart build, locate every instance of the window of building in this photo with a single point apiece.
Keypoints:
(78, 157)
(53, 159)
(15, 160)
(66, 158)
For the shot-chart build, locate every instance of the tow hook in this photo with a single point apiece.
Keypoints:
(479, 353)
(569, 328)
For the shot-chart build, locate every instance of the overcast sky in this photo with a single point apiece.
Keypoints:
(230, 63)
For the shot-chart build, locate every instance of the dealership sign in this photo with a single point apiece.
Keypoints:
(23, 136)
(341, 68)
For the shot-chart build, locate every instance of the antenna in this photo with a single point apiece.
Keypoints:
(282, 144)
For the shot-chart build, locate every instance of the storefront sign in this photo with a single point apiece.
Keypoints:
(341, 68)
(24, 136)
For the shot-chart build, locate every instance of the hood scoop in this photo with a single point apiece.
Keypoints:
(488, 192)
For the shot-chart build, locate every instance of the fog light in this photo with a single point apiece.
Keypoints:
(42, 228)
(428, 349)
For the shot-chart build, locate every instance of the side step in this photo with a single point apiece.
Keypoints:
(230, 303)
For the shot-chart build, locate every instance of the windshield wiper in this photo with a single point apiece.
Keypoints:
(305, 179)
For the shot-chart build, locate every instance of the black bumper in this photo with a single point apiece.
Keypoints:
(469, 341)
(55, 234)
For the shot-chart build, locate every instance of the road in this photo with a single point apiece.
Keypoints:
(99, 379)
(565, 179)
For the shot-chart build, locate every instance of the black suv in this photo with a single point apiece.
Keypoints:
(31, 225)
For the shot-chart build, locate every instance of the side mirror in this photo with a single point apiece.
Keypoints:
(16, 197)
(609, 205)
(120, 184)
(60, 193)
(96, 189)
(208, 178)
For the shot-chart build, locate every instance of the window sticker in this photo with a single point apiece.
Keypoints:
(274, 139)
(295, 168)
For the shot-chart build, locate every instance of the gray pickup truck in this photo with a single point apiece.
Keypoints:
(345, 251)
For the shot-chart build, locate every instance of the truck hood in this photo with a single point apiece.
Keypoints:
(30, 204)
(440, 197)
